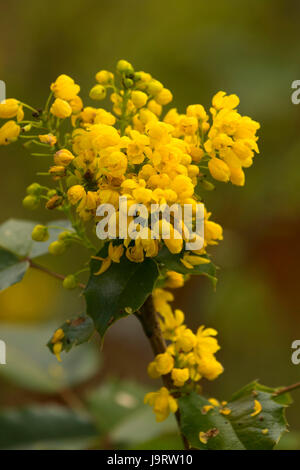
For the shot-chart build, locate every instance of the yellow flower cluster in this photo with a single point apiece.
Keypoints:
(188, 358)
(135, 151)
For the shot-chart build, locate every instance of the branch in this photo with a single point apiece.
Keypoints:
(283, 390)
(48, 271)
(148, 318)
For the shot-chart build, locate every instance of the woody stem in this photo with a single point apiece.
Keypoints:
(149, 321)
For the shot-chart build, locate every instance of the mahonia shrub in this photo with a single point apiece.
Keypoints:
(151, 156)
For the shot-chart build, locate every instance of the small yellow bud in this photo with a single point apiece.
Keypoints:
(154, 87)
(57, 170)
(63, 157)
(104, 77)
(65, 235)
(164, 97)
(139, 98)
(40, 233)
(31, 202)
(124, 67)
(57, 248)
(76, 193)
(98, 92)
(54, 202)
(219, 169)
(61, 108)
(9, 108)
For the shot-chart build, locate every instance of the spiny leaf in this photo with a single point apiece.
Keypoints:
(122, 289)
(77, 331)
(240, 429)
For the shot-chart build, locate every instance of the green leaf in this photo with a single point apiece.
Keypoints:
(77, 331)
(170, 262)
(30, 366)
(122, 289)
(238, 430)
(11, 269)
(38, 425)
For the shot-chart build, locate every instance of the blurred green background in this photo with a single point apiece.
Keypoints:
(195, 48)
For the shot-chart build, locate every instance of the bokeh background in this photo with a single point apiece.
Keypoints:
(195, 48)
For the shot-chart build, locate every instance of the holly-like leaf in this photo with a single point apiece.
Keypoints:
(241, 429)
(170, 262)
(39, 426)
(11, 269)
(121, 290)
(77, 331)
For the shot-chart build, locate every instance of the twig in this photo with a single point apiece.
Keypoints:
(51, 273)
(148, 318)
(283, 390)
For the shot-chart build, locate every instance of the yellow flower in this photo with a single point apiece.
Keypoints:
(219, 169)
(174, 280)
(61, 108)
(186, 339)
(180, 376)
(76, 193)
(9, 108)
(113, 163)
(48, 139)
(257, 408)
(9, 132)
(164, 363)
(162, 402)
(209, 367)
(65, 88)
(63, 157)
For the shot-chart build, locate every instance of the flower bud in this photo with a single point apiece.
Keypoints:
(70, 282)
(124, 67)
(54, 202)
(164, 97)
(139, 98)
(128, 82)
(57, 248)
(40, 233)
(57, 170)
(104, 77)
(98, 92)
(61, 108)
(51, 193)
(9, 108)
(65, 235)
(76, 193)
(63, 157)
(154, 87)
(31, 202)
(34, 189)
(219, 169)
